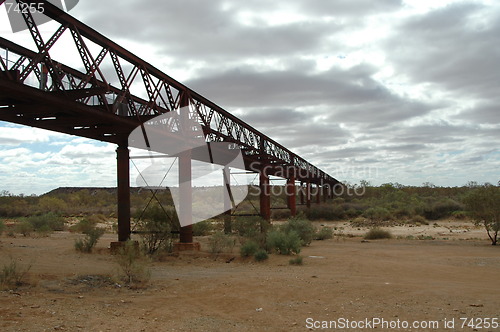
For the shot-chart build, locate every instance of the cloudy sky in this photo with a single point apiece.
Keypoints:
(386, 91)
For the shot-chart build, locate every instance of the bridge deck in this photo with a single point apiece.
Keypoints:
(114, 92)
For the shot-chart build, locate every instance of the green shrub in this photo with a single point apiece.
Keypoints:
(281, 214)
(219, 242)
(24, 227)
(325, 212)
(261, 255)
(83, 226)
(51, 204)
(377, 214)
(482, 205)
(442, 209)
(156, 229)
(353, 213)
(303, 227)
(2, 227)
(249, 248)
(133, 265)
(377, 233)
(50, 221)
(296, 260)
(324, 233)
(202, 228)
(43, 231)
(12, 275)
(425, 237)
(460, 215)
(87, 243)
(249, 227)
(419, 220)
(96, 218)
(284, 243)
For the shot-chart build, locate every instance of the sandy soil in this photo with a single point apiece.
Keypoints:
(453, 276)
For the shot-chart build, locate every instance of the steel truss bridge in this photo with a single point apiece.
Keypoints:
(115, 93)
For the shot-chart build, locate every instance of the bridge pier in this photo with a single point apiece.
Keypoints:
(185, 197)
(227, 200)
(302, 202)
(318, 194)
(123, 182)
(291, 193)
(265, 196)
(185, 205)
(308, 194)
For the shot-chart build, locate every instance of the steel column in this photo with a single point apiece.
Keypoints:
(185, 196)
(318, 194)
(123, 177)
(227, 200)
(291, 193)
(265, 196)
(302, 202)
(308, 194)
(185, 188)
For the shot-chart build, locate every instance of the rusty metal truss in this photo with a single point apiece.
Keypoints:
(113, 91)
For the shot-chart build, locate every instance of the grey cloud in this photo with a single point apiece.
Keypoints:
(349, 7)
(321, 135)
(423, 134)
(278, 117)
(452, 48)
(484, 113)
(352, 95)
(202, 30)
(404, 148)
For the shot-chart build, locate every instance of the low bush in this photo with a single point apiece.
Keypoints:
(12, 275)
(202, 228)
(87, 243)
(284, 243)
(249, 248)
(24, 227)
(48, 221)
(377, 214)
(249, 227)
(325, 212)
(83, 226)
(261, 255)
(442, 209)
(377, 233)
(460, 215)
(220, 242)
(324, 234)
(2, 227)
(303, 227)
(133, 265)
(299, 260)
(419, 220)
(281, 214)
(156, 235)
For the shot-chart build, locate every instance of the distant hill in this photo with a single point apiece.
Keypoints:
(92, 190)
